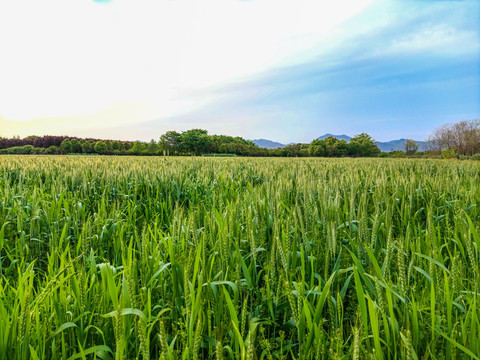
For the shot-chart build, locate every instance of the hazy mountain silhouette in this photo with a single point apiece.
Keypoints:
(385, 146)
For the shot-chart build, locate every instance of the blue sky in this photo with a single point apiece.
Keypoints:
(283, 70)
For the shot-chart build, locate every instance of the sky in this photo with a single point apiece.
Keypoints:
(287, 71)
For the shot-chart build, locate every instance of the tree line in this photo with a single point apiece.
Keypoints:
(190, 142)
(463, 138)
(450, 140)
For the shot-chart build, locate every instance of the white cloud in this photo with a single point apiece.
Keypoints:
(64, 59)
(441, 39)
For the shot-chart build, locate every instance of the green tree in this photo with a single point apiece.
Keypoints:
(195, 141)
(76, 146)
(317, 148)
(100, 147)
(171, 141)
(449, 153)
(411, 146)
(363, 145)
(295, 150)
(138, 148)
(88, 146)
(335, 147)
(66, 146)
(52, 150)
(30, 137)
(117, 145)
(152, 147)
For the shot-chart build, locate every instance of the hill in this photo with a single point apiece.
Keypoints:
(399, 145)
(339, 137)
(384, 146)
(269, 144)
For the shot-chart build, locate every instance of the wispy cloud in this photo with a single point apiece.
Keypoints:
(401, 77)
(288, 71)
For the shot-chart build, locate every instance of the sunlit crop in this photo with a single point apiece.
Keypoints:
(238, 258)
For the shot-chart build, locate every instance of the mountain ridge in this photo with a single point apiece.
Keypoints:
(384, 146)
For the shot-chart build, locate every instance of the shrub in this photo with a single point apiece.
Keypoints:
(449, 153)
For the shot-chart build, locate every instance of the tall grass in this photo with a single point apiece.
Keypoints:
(201, 258)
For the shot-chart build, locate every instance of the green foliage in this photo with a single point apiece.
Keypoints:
(75, 146)
(317, 148)
(397, 154)
(171, 141)
(66, 146)
(411, 147)
(100, 147)
(117, 145)
(195, 141)
(203, 258)
(199, 142)
(20, 150)
(335, 147)
(52, 150)
(138, 148)
(363, 145)
(152, 148)
(88, 146)
(449, 153)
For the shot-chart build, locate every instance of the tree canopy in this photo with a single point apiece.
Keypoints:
(460, 139)
(463, 137)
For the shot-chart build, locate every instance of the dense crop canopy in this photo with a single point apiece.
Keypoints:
(201, 258)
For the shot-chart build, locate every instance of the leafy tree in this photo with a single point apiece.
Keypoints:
(195, 141)
(138, 148)
(66, 146)
(117, 145)
(152, 147)
(295, 150)
(335, 147)
(171, 141)
(411, 146)
(31, 137)
(448, 153)
(75, 146)
(25, 149)
(100, 147)
(88, 146)
(363, 145)
(52, 150)
(317, 148)
(397, 154)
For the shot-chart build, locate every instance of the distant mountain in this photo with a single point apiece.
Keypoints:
(339, 137)
(269, 144)
(386, 146)
(399, 145)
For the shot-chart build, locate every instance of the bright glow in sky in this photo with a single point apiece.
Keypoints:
(284, 70)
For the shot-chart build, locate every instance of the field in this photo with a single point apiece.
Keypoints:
(238, 258)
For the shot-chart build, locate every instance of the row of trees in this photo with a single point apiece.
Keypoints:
(197, 142)
(35, 141)
(361, 145)
(63, 145)
(462, 138)
(192, 142)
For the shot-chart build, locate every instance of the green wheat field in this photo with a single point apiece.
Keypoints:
(238, 258)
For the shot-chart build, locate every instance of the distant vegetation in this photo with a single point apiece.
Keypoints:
(463, 138)
(460, 140)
